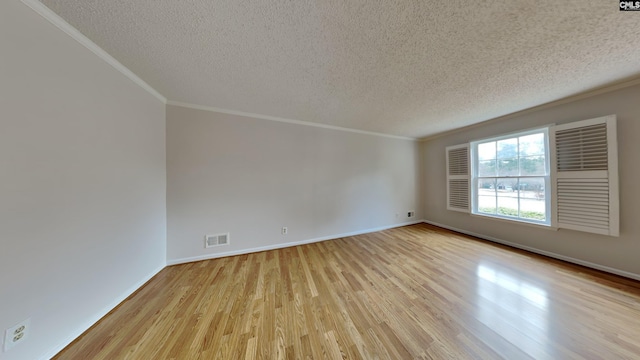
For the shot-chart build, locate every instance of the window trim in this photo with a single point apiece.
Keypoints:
(572, 191)
(473, 149)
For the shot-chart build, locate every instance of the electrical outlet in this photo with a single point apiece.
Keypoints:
(285, 230)
(411, 214)
(16, 334)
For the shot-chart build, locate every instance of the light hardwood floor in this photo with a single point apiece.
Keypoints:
(410, 292)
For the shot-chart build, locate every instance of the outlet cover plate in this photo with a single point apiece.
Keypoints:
(16, 334)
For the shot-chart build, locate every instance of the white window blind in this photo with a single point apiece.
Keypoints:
(585, 176)
(458, 178)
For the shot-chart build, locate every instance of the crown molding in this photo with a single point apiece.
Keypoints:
(284, 120)
(583, 95)
(61, 24)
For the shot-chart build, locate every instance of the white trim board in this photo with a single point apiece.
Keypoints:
(284, 120)
(74, 33)
(284, 245)
(569, 99)
(550, 254)
(61, 24)
(99, 315)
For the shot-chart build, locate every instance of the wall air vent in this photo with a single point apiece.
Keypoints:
(216, 240)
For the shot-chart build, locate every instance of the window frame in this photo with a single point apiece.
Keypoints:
(473, 149)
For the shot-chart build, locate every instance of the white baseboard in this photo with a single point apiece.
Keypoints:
(90, 322)
(99, 315)
(284, 245)
(588, 264)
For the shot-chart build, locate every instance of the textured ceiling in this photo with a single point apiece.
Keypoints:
(401, 67)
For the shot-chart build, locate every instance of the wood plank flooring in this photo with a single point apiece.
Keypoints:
(416, 292)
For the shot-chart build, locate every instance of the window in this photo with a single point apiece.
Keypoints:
(563, 176)
(510, 177)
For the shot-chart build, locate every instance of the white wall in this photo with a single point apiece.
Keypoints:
(82, 183)
(250, 177)
(610, 253)
(84, 220)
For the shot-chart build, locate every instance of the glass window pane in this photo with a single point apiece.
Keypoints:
(487, 151)
(532, 199)
(508, 167)
(532, 145)
(510, 176)
(487, 196)
(487, 204)
(487, 168)
(507, 196)
(532, 165)
(508, 148)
